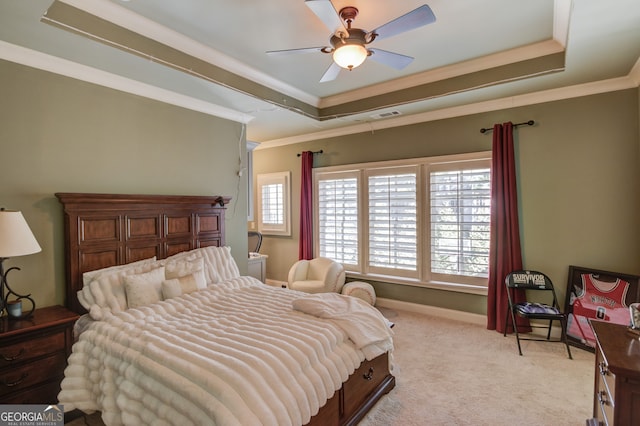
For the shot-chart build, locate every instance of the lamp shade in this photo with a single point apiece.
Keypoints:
(350, 56)
(16, 238)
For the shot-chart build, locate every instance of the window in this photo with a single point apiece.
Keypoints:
(420, 222)
(393, 222)
(460, 215)
(274, 203)
(337, 201)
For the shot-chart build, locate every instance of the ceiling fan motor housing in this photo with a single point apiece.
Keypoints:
(356, 36)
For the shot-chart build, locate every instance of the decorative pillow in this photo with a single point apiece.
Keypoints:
(178, 286)
(89, 276)
(171, 288)
(184, 268)
(144, 289)
(107, 289)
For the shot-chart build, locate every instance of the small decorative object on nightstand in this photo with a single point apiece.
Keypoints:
(14, 308)
(33, 355)
(16, 239)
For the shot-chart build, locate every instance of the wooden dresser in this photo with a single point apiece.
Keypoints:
(33, 355)
(616, 398)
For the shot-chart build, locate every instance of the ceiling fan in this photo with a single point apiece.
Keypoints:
(349, 45)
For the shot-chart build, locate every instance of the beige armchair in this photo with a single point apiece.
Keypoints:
(319, 275)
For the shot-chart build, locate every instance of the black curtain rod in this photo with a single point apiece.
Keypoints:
(313, 152)
(528, 123)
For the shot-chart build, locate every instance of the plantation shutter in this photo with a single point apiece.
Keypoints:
(393, 221)
(460, 222)
(273, 204)
(338, 219)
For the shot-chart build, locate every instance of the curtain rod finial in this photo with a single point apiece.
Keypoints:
(313, 152)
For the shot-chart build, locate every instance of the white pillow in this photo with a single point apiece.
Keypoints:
(144, 289)
(171, 288)
(182, 256)
(178, 286)
(107, 289)
(219, 265)
(184, 268)
(89, 276)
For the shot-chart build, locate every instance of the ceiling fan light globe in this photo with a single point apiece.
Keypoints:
(350, 56)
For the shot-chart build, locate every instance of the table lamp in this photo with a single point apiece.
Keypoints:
(16, 239)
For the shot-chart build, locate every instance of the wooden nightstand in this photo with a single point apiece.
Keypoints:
(257, 266)
(33, 355)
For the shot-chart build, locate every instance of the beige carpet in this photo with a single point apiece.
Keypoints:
(455, 373)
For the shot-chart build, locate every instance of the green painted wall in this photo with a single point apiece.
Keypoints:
(578, 171)
(63, 135)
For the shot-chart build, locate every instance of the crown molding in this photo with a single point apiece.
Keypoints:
(593, 88)
(45, 62)
(134, 22)
(36, 59)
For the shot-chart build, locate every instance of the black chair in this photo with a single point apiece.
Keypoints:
(255, 241)
(549, 311)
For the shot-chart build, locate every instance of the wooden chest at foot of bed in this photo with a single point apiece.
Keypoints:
(358, 394)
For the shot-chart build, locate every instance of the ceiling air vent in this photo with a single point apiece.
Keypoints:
(387, 114)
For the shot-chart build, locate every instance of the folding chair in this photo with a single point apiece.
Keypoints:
(534, 281)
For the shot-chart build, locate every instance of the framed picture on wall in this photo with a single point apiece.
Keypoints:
(600, 295)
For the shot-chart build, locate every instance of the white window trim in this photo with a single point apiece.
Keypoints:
(361, 271)
(279, 178)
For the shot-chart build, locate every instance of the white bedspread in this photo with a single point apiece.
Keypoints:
(366, 327)
(235, 353)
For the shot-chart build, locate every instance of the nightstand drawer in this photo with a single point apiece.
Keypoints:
(45, 393)
(33, 348)
(13, 379)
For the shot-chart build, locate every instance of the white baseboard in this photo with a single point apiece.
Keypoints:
(276, 283)
(452, 314)
(432, 310)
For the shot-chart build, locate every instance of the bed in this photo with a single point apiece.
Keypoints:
(199, 343)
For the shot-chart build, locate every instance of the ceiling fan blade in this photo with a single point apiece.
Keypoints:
(394, 60)
(409, 21)
(328, 15)
(294, 51)
(331, 73)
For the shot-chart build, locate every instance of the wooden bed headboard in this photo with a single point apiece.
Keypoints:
(102, 230)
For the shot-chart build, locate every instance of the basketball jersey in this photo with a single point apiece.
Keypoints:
(599, 300)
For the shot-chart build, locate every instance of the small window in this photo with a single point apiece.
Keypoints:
(274, 203)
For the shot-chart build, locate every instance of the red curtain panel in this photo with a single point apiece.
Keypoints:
(505, 253)
(306, 209)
